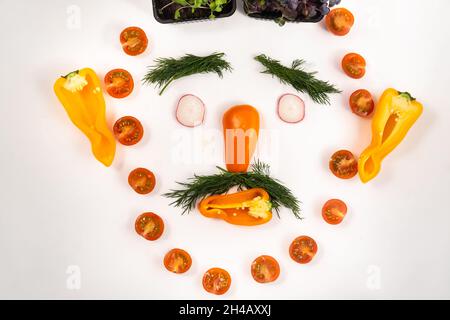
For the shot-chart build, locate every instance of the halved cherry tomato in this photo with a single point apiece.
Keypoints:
(303, 249)
(361, 103)
(354, 65)
(119, 83)
(134, 41)
(343, 164)
(334, 211)
(149, 226)
(265, 269)
(339, 21)
(142, 180)
(216, 281)
(177, 261)
(128, 130)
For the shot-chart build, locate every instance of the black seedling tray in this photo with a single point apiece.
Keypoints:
(274, 16)
(186, 15)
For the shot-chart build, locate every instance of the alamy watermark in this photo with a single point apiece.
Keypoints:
(73, 21)
(73, 280)
(373, 281)
(201, 146)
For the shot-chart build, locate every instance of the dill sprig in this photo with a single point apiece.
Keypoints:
(297, 77)
(200, 187)
(168, 70)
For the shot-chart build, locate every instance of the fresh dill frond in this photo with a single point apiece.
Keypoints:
(167, 70)
(200, 187)
(299, 79)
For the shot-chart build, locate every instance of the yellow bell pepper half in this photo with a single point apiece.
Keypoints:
(81, 95)
(395, 114)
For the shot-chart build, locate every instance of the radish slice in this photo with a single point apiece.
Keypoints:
(190, 111)
(291, 108)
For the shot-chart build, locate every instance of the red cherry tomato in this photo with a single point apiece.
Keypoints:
(142, 180)
(334, 211)
(150, 226)
(265, 269)
(339, 21)
(119, 83)
(128, 130)
(343, 164)
(354, 65)
(134, 41)
(303, 249)
(361, 103)
(216, 281)
(177, 261)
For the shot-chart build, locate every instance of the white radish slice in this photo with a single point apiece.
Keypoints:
(190, 111)
(291, 108)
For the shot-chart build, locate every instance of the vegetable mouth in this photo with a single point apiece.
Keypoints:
(202, 186)
(257, 207)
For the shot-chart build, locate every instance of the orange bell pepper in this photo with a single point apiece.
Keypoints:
(81, 95)
(245, 208)
(240, 129)
(395, 114)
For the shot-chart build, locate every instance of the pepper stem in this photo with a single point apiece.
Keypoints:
(70, 74)
(407, 95)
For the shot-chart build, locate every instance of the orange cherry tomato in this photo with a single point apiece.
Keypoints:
(119, 83)
(303, 249)
(142, 180)
(354, 65)
(177, 261)
(149, 226)
(134, 41)
(334, 211)
(128, 130)
(361, 103)
(343, 164)
(265, 269)
(339, 21)
(216, 281)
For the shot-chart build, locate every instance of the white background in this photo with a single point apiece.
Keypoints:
(61, 208)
